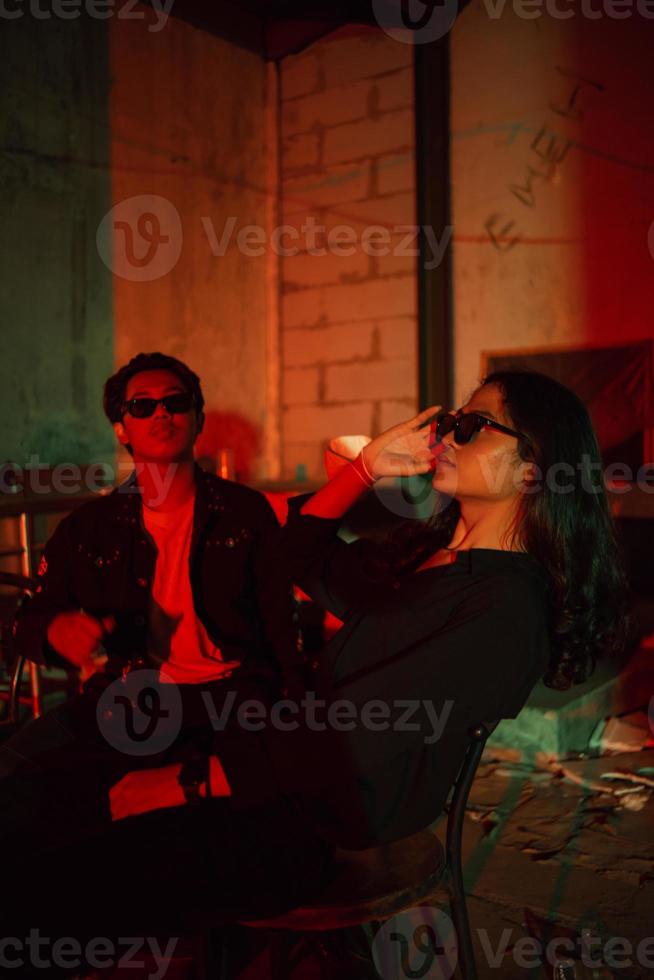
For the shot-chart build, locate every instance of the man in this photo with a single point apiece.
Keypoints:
(174, 571)
(171, 571)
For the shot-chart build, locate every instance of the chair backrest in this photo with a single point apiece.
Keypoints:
(23, 583)
(18, 586)
(478, 735)
(24, 586)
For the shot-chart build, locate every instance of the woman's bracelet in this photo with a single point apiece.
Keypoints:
(366, 477)
(365, 468)
(361, 476)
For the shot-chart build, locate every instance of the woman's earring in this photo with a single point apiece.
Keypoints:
(530, 478)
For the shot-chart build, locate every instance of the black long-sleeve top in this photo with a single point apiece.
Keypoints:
(470, 638)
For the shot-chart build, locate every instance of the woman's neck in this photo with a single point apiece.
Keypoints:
(485, 527)
(474, 529)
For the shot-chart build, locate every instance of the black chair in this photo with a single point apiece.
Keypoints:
(368, 887)
(22, 587)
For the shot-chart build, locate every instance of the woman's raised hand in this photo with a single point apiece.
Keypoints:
(403, 450)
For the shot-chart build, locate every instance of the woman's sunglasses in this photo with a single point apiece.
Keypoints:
(144, 408)
(468, 424)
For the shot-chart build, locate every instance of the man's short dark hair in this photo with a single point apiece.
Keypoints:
(116, 386)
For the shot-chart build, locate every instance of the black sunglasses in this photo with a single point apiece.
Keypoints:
(466, 425)
(144, 408)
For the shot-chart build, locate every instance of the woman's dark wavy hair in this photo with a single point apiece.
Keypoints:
(570, 533)
(116, 386)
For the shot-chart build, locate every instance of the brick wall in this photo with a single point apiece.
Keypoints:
(349, 290)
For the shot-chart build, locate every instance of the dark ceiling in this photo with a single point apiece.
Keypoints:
(272, 28)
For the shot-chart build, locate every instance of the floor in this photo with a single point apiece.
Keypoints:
(577, 854)
(547, 855)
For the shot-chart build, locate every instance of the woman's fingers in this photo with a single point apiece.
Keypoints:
(414, 424)
(403, 449)
(422, 417)
(409, 444)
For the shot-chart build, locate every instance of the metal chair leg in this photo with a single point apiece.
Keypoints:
(36, 690)
(222, 962)
(466, 953)
(281, 949)
(14, 691)
(454, 836)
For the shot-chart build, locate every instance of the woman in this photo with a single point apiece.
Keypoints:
(519, 577)
(526, 491)
(451, 623)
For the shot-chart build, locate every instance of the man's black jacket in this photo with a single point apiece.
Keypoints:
(100, 559)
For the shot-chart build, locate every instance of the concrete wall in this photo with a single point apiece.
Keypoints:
(553, 183)
(113, 124)
(189, 125)
(57, 338)
(349, 321)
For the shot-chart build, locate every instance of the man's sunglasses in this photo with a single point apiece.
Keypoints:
(144, 408)
(466, 425)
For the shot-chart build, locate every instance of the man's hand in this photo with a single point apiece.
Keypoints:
(78, 637)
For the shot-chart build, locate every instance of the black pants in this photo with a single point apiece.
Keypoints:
(56, 771)
(182, 869)
(69, 871)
